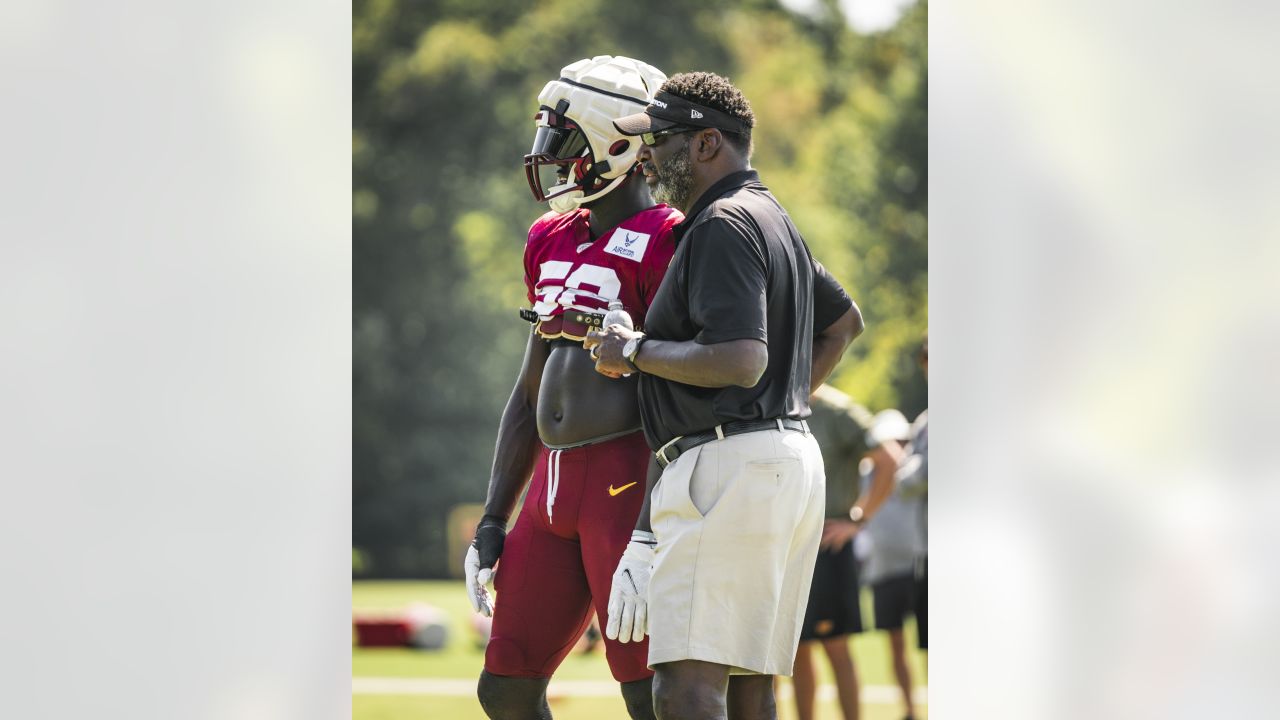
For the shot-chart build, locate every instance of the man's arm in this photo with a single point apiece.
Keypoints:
(913, 476)
(727, 278)
(886, 456)
(651, 479)
(829, 345)
(734, 362)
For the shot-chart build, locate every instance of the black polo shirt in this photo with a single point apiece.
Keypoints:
(741, 270)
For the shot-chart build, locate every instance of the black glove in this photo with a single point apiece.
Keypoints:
(491, 535)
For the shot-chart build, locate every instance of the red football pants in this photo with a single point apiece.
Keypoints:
(559, 561)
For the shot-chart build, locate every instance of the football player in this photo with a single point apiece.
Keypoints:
(575, 431)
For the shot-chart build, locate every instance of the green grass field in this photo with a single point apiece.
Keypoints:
(462, 660)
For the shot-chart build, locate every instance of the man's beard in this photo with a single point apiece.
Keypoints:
(675, 178)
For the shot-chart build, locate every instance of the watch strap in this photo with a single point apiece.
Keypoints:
(631, 358)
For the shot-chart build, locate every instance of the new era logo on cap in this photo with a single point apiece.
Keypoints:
(694, 114)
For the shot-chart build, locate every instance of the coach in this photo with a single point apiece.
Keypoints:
(745, 324)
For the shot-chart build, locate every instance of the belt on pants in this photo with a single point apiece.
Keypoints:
(668, 453)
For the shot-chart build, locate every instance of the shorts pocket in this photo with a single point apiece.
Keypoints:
(774, 468)
(754, 484)
(669, 501)
(705, 489)
(694, 489)
(764, 489)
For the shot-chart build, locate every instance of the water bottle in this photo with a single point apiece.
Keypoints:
(617, 315)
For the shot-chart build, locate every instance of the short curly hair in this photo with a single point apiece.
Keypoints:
(716, 92)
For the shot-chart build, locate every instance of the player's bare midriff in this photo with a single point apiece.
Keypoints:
(576, 404)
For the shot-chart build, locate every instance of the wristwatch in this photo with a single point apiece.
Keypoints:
(855, 514)
(632, 348)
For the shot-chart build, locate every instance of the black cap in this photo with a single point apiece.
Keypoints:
(667, 110)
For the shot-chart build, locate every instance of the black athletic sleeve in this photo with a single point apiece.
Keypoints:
(830, 301)
(728, 277)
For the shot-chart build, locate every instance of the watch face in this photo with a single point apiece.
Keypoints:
(632, 347)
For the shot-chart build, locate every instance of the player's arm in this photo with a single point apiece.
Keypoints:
(513, 461)
(517, 447)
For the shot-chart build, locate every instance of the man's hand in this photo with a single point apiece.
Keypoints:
(912, 477)
(629, 596)
(605, 347)
(483, 554)
(836, 532)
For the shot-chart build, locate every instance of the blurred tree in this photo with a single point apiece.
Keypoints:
(444, 92)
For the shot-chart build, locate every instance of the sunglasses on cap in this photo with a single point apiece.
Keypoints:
(651, 138)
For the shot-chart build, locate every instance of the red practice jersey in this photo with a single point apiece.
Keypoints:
(567, 275)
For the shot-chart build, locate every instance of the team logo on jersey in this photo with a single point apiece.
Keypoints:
(628, 244)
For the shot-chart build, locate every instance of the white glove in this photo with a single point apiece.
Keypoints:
(482, 556)
(477, 578)
(629, 594)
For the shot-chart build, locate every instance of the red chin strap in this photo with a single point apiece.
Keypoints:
(578, 173)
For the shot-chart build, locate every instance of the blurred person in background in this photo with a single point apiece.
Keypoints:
(743, 329)
(913, 484)
(892, 544)
(840, 426)
(576, 432)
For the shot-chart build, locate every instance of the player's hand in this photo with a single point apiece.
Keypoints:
(486, 548)
(605, 346)
(836, 532)
(629, 595)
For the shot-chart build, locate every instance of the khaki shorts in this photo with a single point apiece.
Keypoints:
(738, 522)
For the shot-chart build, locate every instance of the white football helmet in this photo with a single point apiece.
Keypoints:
(578, 155)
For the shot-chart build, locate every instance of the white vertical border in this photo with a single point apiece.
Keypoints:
(175, 363)
(1102, 291)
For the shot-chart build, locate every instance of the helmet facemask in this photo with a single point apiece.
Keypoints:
(561, 168)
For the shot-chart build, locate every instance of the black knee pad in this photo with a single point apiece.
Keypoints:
(509, 698)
